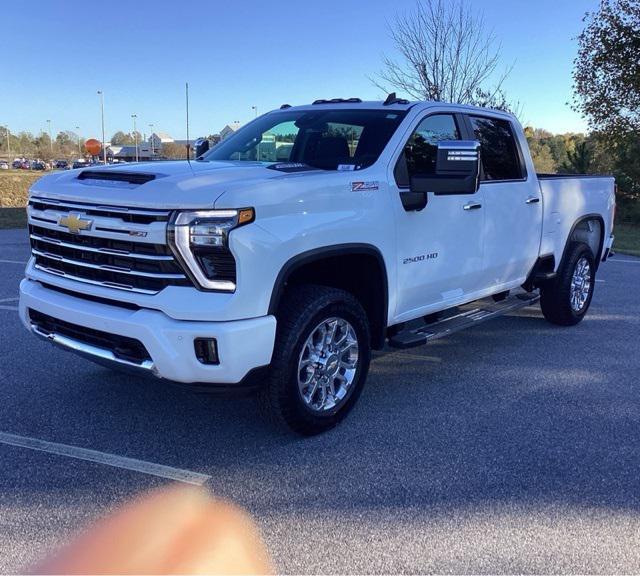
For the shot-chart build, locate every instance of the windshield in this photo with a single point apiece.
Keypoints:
(327, 139)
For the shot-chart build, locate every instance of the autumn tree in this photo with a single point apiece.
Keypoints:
(173, 151)
(580, 160)
(607, 69)
(607, 90)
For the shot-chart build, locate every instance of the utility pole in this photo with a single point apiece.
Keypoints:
(104, 148)
(151, 140)
(50, 139)
(8, 143)
(255, 109)
(78, 137)
(135, 134)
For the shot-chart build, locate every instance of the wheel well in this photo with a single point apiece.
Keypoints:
(358, 271)
(589, 230)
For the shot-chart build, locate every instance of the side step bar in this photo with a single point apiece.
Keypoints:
(462, 318)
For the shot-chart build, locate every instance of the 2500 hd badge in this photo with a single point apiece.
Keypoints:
(430, 256)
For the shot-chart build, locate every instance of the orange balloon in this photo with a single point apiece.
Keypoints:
(93, 146)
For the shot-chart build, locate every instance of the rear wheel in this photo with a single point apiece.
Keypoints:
(566, 299)
(320, 360)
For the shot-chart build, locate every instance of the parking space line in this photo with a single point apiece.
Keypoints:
(12, 308)
(624, 261)
(9, 299)
(12, 262)
(114, 460)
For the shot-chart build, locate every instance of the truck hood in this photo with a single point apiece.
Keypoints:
(162, 185)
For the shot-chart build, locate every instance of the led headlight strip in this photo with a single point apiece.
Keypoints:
(204, 230)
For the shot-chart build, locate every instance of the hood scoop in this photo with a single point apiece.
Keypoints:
(136, 178)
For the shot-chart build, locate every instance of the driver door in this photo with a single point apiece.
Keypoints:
(440, 248)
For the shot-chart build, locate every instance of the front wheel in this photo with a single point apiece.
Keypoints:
(320, 360)
(565, 301)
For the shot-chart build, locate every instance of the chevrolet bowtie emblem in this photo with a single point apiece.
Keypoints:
(75, 223)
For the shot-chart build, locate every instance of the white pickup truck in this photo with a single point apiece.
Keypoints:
(282, 256)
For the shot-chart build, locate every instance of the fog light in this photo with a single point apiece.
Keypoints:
(206, 350)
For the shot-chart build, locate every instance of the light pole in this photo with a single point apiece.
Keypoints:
(255, 109)
(78, 136)
(151, 140)
(104, 149)
(8, 143)
(135, 134)
(50, 139)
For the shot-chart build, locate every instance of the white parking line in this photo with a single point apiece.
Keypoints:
(12, 308)
(625, 261)
(12, 262)
(105, 458)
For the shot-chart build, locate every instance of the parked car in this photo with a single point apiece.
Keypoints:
(80, 164)
(16, 164)
(61, 165)
(390, 223)
(4, 165)
(26, 165)
(38, 165)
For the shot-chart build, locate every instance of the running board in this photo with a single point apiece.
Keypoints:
(479, 312)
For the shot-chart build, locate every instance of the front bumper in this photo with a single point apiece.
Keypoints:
(242, 344)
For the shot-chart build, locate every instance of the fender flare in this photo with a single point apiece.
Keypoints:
(577, 223)
(316, 254)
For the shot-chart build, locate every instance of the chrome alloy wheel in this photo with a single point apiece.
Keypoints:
(580, 284)
(328, 364)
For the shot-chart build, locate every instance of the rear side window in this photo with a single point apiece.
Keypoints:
(500, 160)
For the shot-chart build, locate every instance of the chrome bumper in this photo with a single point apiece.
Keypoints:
(99, 355)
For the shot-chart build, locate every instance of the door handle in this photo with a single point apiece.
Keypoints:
(472, 206)
(532, 200)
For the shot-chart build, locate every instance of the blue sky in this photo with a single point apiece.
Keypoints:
(245, 53)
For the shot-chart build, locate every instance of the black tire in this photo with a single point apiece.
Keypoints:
(555, 296)
(303, 308)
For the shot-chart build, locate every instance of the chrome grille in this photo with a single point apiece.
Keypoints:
(124, 248)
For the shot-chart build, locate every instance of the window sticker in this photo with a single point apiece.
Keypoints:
(346, 167)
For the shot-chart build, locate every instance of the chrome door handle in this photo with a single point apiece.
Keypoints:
(532, 200)
(472, 206)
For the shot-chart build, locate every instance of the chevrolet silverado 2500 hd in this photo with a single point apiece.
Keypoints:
(314, 234)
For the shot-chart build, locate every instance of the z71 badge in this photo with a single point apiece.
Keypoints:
(421, 258)
(364, 186)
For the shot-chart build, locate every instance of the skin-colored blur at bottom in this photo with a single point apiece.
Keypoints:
(170, 531)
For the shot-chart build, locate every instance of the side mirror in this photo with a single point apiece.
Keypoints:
(200, 146)
(457, 170)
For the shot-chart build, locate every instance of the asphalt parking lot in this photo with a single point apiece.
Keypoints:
(511, 447)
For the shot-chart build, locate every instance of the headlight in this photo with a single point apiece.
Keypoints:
(200, 241)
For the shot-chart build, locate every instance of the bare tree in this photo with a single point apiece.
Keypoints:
(446, 55)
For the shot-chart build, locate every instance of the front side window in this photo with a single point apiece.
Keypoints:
(421, 150)
(330, 139)
(499, 152)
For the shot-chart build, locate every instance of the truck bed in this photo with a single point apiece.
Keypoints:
(568, 198)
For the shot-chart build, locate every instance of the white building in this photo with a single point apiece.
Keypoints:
(229, 129)
(157, 139)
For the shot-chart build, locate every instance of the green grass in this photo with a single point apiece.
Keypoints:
(13, 218)
(627, 239)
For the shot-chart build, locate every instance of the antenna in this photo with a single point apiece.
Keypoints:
(186, 85)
